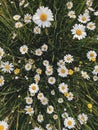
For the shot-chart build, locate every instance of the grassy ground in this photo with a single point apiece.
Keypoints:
(60, 42)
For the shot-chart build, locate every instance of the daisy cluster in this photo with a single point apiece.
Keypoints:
(49, 79)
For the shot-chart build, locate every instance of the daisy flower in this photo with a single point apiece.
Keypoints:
(78, 31)
(95, 71)
(68, 58)
(95, 78)
(29, 100)
(24, 49)
(89, 3)
(62, 71)
(91, 55)
(37, 78)
(96, 13)
(16, 17)
(7, 67)
(40, 118)
(1, 53)
(82, 118)
(37, 30)
(69, 123)
(63, 88)
(61, 63)
(38, 52)
(85, 75)
(50, 109)
(60, 100)
(1, 80)
(40, 96)
(84, 18)
(70, 96)
(29, 110)
(28, 67)
(44, 101)
(44, 47)
(33, 88)
(27, 18)
(91, 26)
(64, 115)
(69, 5)
(71, 14)
(3, 125)
(51, 80)
(49, 127)
(18, 25)
(43, 17)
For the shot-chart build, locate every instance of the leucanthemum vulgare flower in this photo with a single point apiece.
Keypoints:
(24, 49)
(78, 31)
(91, 26)
(43, 17)
(82, 118)
(33, 88)
(7, 67)
(91, 55)
(37, 30)
(3, 125)
(69, 122)
(84, 18)
(62, 71)
(18, 24)
(16, 17)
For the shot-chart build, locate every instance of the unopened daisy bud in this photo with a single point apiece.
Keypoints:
(70, 72)
(89, 106)
(16, 71)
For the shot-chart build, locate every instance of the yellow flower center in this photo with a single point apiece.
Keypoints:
(70, 72)
(1, 80)
(91, 26)
(93, 59)
(33, 87)
(78, 32)
(63, 87)
(0, 53)
(29, 100)
(83, 18)
(91, 55)
(63, 71)
(29, 109)
(69, 122)
(7, 67)
(43, 17)
(1, 127)
(27, 18)
(96, 69)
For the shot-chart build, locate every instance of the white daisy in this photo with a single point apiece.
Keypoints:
(84, 18)
(40, 118)
(1, 80)
(68, 58)
(71, 14)
(37, 30)
(37, 78)
(95, 71)
(40, 96)
(91, 55)
(3, 125)
(24, 49)
(49, 72)
(60, 100)
(85, 75)
(38, 52)
(18, 25)
(69, 123)
(70, 96)
(28, 67)
(29, 110)
(82, 118)
(44, 47)
(91, 26)
(1, 53)
(29, 100)
(63, 88)
(7, 67)
(95, 78)
(16, 17)
(96, 13)
(69, 5)
(33, 88)
(52, 92)
(50, 109)
(78, 31)
(49, 127)
(51, 80)
(45, 62)
(27, 18)
(62, 71)
(43, 17)
(61, 63)
(89, 3)
(64, 115)
(44, 101)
